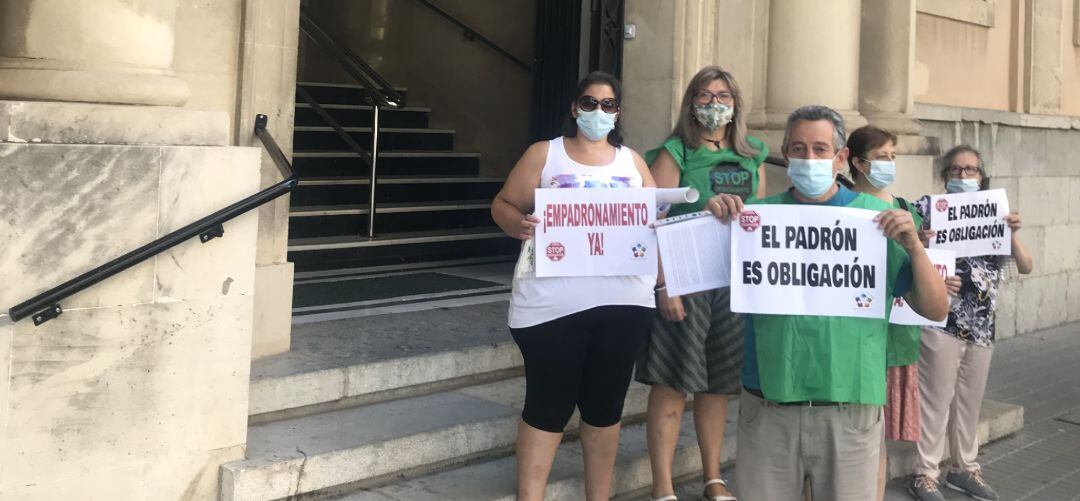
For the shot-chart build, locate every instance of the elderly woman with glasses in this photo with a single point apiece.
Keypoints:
(954, 361)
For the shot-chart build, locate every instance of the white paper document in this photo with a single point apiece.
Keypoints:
(695, 253)
(808, 260)
(972, 224)
(589, 232)
(945, 262)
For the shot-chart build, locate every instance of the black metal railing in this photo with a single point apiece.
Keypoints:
(46, 306)
(775, 160)
(380, 92)
(472, 35)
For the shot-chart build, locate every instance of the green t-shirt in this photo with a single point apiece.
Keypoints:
(903, 347)
(795, 358)
(713, 172)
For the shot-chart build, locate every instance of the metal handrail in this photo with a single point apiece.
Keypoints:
(777, 161)
(379, 90)
(46, 306)
(371, 158)
(381, 93)
(472, 34)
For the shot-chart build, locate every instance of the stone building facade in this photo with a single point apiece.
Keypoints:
(121, 121)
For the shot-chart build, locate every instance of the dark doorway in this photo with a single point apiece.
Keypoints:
(558, 55)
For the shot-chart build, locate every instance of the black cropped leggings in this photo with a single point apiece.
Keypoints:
(582, 360)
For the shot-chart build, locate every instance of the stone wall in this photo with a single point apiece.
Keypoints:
(1034, 159)
(139, 389)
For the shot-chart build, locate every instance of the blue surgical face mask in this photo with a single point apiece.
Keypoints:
(595, 124)
(962, 185)
(882, 173)
(812, 177)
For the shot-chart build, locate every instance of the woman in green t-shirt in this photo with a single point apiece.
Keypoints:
(697, 342)
(872, 164)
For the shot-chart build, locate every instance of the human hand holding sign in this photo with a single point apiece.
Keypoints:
(526, 228)
(1013, 220)
(898, 225)
(952, 285)
(725, 206)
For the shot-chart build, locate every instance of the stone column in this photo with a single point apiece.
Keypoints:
(887, 61)
(105, 51)
(1042, 56)
(813, 58)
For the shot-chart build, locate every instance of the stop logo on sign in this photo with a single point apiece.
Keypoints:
(749, 220)
(556, 251)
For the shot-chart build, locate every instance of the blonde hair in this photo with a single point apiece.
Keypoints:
(689, 130)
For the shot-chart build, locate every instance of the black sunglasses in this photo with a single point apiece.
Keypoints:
(589, 103)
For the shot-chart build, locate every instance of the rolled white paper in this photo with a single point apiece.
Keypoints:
(686, 195)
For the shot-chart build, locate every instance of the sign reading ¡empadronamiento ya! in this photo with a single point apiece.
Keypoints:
(806, 260)
(595, 232)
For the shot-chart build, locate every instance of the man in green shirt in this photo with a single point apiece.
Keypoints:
(814, 386)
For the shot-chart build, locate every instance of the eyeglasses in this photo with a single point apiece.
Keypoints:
(970, 170)
(706, 97)
(589, 103)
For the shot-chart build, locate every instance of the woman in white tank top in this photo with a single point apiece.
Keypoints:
(579, 336)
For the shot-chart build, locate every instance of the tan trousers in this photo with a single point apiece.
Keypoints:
(952, 379)
(836, 448)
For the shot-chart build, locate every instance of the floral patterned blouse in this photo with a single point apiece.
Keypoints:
(972, 314)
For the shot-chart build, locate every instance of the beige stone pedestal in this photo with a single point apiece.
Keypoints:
(139, 389)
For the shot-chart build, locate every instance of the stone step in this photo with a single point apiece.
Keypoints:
(373, 444)
(997, 420)
(495, 479)
(365, 360)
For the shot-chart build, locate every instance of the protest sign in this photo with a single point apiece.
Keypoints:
(972, 224)
(595, 232)
(808, 260)
(902, 314)
(695, 251)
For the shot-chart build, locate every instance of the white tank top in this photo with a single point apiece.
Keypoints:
(537, 300)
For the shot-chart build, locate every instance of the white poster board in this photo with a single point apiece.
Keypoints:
(945, 262)
(972, 224)
(695, 252)
(808, 260)
(590, 232)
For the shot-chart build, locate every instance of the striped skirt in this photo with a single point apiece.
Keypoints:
(701, 354)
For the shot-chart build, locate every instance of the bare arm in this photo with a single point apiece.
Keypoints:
(666, 173)
(647, 180)
(1024, 262)
(516, 200)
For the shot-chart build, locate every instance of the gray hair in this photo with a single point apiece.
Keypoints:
(813, 113)
(949, 156)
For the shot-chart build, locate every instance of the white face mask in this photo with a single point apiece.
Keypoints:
(811, 177)
(882, 173)
(962, 185)
(595, 124)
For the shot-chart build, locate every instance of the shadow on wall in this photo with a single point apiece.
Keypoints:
(470, 88)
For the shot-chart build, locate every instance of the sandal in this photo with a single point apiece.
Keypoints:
(669, 497)
(705, 496)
